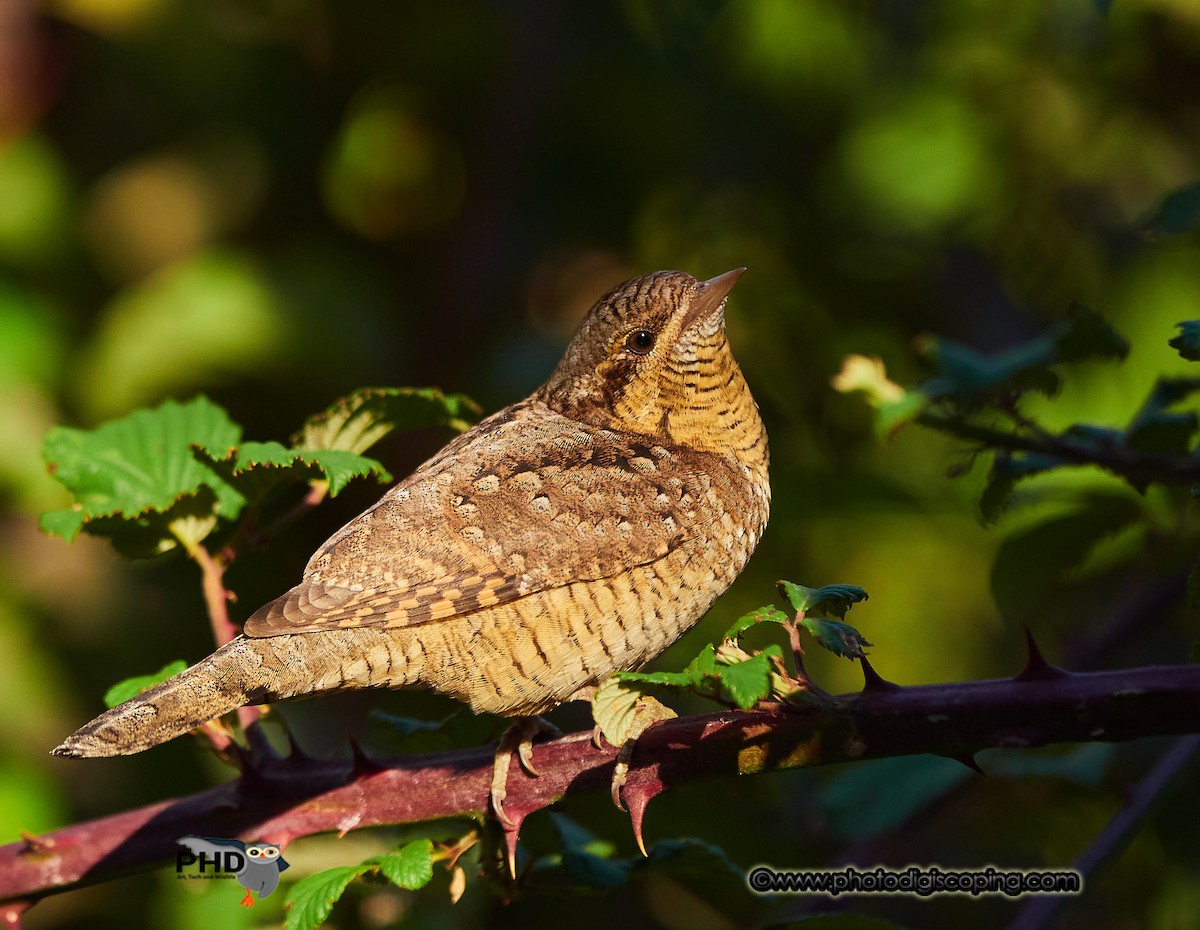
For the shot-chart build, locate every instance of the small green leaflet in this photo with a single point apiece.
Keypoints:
(357, 421)
(410, 866)
(700, 668)
(311, 899)
(767, 614)
(749, 682)
(839, 638)
(828, 600)
(1187, 343)
(336, 466)
(122, 691)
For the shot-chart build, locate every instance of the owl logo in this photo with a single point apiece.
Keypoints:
(256, 865)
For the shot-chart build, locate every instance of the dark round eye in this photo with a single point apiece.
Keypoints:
(640, 341)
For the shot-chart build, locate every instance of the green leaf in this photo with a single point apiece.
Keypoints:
(457, 729)
(878, 796)
(1187, 343)
(1179, 212)
(336, 466)
(701, 667)
(1008, 468)
(410, 866)
(311, 899)
(828, 600)
(122, 691)
(132, 478)
(357, 421)
(1086, 335)
(748, 682)
(839, 638)
(767, 614)
(587, 858)
(623, 712)
(1154, 428)
(1034, 563)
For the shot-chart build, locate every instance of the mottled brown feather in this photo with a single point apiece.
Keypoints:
(525, 501)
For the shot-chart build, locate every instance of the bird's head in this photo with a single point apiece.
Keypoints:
(651, 358)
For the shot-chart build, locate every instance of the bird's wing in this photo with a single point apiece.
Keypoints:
(525, 501)
(210, 845)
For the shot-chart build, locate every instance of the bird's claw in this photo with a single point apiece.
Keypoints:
(620, 771)
(519, 739)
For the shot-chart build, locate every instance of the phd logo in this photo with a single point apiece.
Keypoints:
(255, 865)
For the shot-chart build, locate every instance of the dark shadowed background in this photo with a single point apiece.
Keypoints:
(274, 202)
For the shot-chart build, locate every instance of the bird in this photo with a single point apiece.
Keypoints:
(575, 533)
(261, 863)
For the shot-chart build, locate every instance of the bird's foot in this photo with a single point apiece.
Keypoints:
(622, 714)
(519, 739)
(248, 901)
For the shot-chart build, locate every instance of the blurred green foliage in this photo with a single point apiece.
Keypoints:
(276, 202)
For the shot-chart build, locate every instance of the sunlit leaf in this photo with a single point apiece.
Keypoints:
(411, 866)
(357, 421)
(623, 712)
(311, 899)
(140, 473)
(336, 466)
(768, 614)
(122, 691)
(748, 682)
(701, 667)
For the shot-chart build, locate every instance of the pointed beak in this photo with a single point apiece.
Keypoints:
(710, 296)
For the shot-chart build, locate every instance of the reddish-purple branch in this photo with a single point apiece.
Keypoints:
(280, 800)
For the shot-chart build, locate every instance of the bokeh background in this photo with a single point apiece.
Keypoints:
(276, 201)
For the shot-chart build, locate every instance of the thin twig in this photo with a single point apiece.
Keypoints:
(1173, 765)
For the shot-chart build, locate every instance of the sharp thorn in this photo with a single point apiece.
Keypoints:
(1036, 667)
(872, 680)
(363, 765)
(968, 760)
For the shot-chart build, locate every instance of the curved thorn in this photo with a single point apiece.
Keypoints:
(872, 680)
(1036, 667)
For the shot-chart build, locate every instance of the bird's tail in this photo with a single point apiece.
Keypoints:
(245, 671)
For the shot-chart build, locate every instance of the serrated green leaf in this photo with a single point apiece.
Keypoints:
(749, 682)
(357, 421)
(1006, 471)
(122, 691)
(828, 600)
(311, 899)
(839, 638)
(411, 866)
(337, 466)
(613, 709)
(623, 712)
(768, 614)
(132, 477)
(1187, 343)
(701, 667)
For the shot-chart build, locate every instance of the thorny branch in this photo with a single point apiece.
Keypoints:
(278, 800)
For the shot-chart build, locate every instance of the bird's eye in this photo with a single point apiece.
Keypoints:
(253, 853)
(640, 341)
